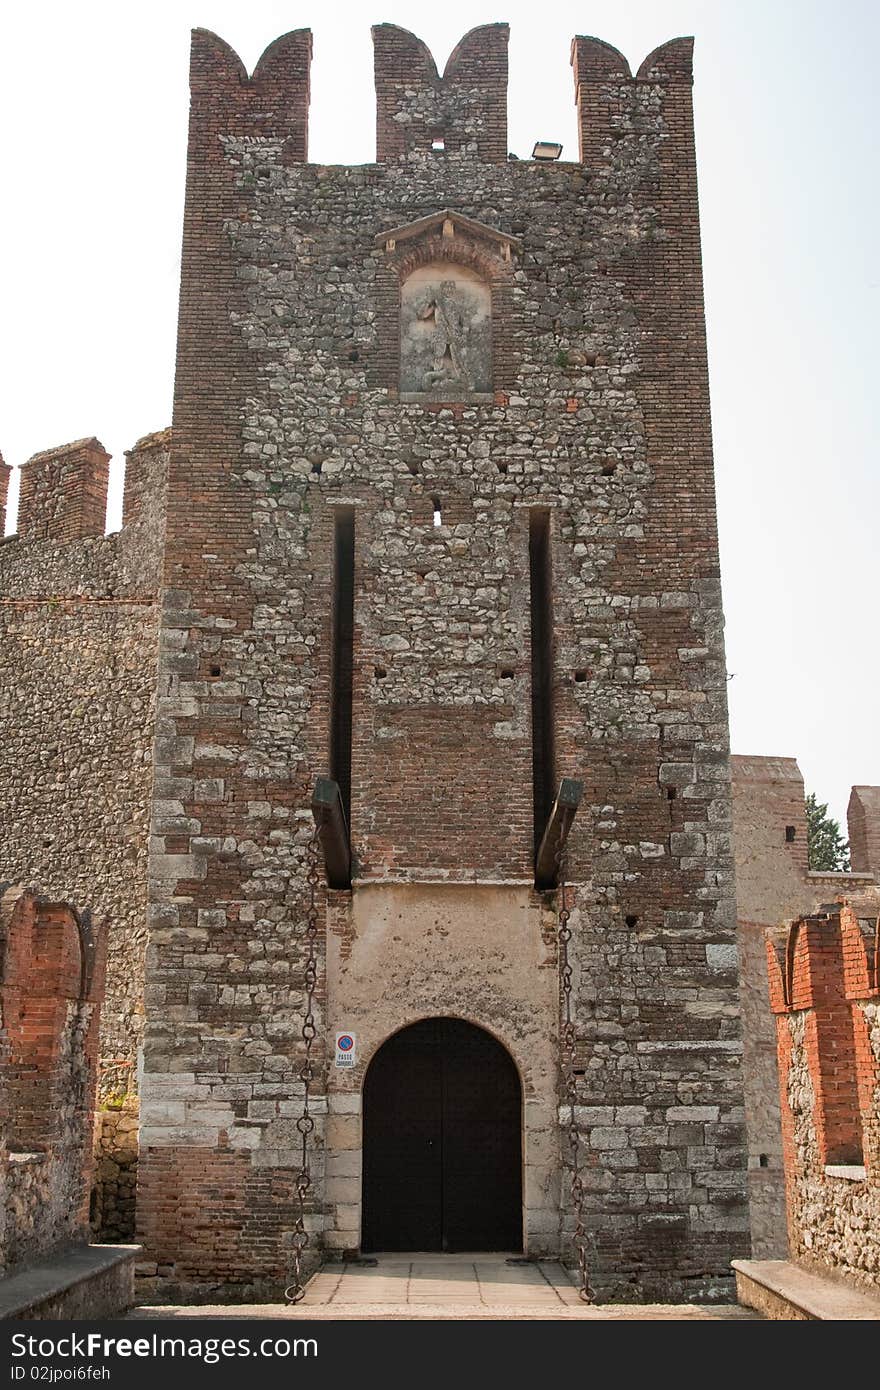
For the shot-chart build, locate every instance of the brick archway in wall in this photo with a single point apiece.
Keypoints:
(442, 1142)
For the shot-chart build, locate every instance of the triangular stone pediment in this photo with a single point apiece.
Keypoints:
(449, 224)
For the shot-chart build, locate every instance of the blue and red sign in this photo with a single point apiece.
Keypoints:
(346, 1049)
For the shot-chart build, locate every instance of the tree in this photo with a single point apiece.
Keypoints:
(827, 850)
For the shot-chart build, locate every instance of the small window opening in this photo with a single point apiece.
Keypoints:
(609, 468)
(581, 676)
(631, 920)
(438, 513)
(763, 1161)
(507, 673)
(317, 466)
(790, 833)
(215, 670)
(438, 142)
(670, 793)
(379, 672)
(502, 467)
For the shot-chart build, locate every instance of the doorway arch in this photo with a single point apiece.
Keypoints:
(442, 1136)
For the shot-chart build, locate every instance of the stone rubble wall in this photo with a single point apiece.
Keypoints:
(78, 633)
(114, 1185)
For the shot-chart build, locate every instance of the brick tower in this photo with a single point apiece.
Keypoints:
(441, 533)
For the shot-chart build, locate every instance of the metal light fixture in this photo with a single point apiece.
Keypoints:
(546, 150)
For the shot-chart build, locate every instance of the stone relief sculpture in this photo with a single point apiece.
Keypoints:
(445, 333)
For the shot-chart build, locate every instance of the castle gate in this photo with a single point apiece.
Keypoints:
(442, 1142)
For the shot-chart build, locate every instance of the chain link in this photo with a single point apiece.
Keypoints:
(580, 1239)
(306, 1124)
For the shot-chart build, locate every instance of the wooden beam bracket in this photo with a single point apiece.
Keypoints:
(568, 799)
(329, 816)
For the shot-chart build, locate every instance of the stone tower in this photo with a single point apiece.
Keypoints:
(441, 532)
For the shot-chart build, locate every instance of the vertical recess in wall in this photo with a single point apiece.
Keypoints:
(343, 643)
(540, 576)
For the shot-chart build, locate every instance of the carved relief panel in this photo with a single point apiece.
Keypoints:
(445, 333)
(446, 321)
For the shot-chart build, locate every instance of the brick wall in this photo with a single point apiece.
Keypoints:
(51, 984)
(825, 995)
(5, 473)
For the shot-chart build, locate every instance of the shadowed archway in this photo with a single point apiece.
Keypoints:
(442, 1142)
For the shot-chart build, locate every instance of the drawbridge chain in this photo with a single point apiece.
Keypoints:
(306, 1123)
(580, 1239)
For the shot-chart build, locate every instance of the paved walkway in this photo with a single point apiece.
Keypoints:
(448, 1286)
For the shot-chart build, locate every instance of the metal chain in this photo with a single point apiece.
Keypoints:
(580, 1239)
(306, 1124)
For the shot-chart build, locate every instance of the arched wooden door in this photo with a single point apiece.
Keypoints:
(442, 1142)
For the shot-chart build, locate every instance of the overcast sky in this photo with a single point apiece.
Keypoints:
(93, 105)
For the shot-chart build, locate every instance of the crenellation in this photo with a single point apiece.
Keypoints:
(63, 494)
(863, 824)
(5, 475)
(421, 115)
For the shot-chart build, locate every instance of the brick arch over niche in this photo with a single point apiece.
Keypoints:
(446, 322)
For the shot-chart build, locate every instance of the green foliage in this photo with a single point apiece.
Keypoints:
(562, 358)
(827, 850)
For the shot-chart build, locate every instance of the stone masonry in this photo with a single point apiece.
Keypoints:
(774, 887)
(825, 995)
(78, 634)
(456, 364)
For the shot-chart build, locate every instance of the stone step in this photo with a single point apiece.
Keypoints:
(89, 1281)
(452, 1311)
(781, 1290)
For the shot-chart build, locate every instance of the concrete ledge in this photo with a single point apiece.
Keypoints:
(90, 1281)
(782, 1290)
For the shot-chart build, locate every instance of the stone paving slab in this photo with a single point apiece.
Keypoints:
(407, 1312)
(404, 1287)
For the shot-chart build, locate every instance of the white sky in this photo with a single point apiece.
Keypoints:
(93, 110)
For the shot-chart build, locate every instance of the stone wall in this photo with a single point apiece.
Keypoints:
(52, 963)
(825, 995)
(773, 887)
(114, 1185)
(863, 821)
(78, 632)
(290, 406)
